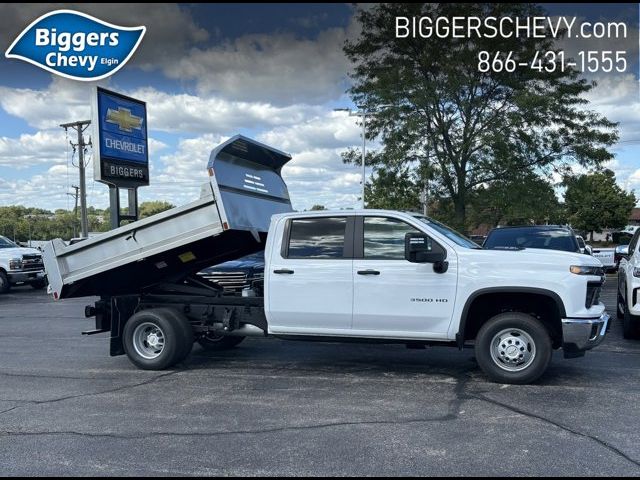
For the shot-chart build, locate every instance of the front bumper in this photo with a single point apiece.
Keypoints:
(582, 334)
(26, 277)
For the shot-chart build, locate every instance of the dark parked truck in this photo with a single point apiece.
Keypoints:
(366, 275)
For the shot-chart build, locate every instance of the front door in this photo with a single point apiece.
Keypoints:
(392, 296)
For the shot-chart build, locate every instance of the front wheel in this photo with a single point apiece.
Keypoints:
(619, 307)
(514, 348)
(630, 324)
(5, 286)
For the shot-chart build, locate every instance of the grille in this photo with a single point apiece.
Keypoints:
(32, 262)
(231, 282)
(593, 294)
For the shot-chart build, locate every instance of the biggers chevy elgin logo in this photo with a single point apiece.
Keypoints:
(76, 45)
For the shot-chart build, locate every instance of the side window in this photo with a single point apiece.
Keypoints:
(384, 238)
(321, 237)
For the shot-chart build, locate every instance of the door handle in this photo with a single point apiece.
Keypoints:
(284, 271)
(368, 272)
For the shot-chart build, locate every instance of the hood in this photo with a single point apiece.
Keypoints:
(18, 251)
(535, 256)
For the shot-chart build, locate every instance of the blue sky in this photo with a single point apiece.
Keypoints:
(207, 72)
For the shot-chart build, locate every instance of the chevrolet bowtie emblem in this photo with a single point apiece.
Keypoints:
(123, 118)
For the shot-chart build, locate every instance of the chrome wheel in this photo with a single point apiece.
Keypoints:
(148, 340)
(513, 349)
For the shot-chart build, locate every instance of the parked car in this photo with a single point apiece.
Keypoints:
(607, 257)
(551, 237)
(629, 288)
(236, 275)
(20, 265)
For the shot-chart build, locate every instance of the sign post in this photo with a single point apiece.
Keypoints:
(122, 151)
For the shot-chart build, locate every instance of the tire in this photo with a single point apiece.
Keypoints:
(39, 285)
(5, 286)
(522, 360)
(214, 343)
(619, 311)
(630, 324)
(170, 333)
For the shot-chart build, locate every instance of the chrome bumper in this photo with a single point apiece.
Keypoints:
(579, 335)
(18, 277)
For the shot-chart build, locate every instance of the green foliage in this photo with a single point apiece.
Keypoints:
(24, 223)
(523, 200)
(461, 128)
(153, 207)
(594, 202)
(317, 207)
(393, 189)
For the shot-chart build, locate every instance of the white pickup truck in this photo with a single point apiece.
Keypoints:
(20, 265)
(629, 288)
(371, 275)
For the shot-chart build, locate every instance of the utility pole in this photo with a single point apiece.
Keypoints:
(75, 207)
(80, 127)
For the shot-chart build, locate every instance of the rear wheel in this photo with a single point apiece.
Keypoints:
(157, 338)
(513, 348)
(212, 341)
(5, 286)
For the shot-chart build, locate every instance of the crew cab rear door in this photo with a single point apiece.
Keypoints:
(310, 284)
(392, 296)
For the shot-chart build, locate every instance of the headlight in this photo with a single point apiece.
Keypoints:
(636, 272)
(586, 270)
(15, 264)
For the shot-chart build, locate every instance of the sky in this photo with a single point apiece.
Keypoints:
(207, 72)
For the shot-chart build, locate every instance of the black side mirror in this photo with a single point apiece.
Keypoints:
(419, 248)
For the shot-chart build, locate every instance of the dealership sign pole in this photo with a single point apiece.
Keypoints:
(122, 153)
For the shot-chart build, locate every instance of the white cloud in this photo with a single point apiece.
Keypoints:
(64, 100)
(277, 68)
(29, 150)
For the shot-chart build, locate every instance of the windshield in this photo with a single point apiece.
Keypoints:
(6, 243)
(450, 233)
(580, 242)
(516, 238)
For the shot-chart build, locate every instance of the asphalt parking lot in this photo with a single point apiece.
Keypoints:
(272, 407)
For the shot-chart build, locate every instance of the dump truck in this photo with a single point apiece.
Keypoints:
(348, 275)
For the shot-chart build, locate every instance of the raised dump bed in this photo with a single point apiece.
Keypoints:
(230, 220)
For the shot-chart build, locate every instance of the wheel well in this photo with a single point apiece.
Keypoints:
(541, 306)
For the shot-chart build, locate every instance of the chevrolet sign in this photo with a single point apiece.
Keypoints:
(121, 124)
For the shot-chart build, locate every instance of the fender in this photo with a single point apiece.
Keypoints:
(483, 291)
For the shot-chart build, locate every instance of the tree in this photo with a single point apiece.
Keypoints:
(524, 200)
(594, 201)
(154, 207)
(393, 189)
(317, 207)
(436, 111)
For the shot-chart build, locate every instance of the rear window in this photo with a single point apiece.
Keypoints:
(516, 238)
(317, 237)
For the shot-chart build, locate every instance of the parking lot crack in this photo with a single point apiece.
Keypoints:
(93, 394)
(565, 428)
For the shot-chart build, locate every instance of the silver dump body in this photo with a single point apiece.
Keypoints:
(230, 220)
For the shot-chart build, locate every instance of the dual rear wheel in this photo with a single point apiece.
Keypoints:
(158, 338)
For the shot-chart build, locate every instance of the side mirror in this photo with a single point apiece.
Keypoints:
(622, 250)
(419, 248)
